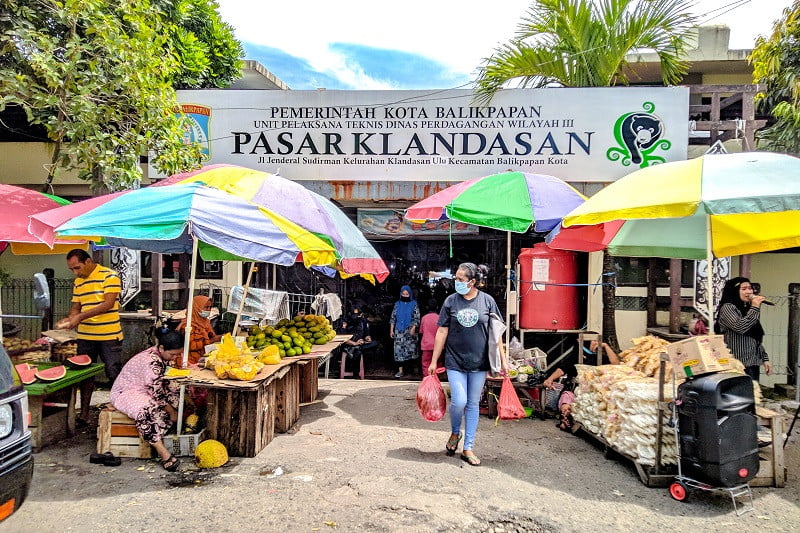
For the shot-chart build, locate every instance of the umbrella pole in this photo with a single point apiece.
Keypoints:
(241, 304)
(188, 332)
(508, 291)
(709, 275)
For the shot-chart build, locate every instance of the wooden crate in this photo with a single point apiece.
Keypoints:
(309, 380)
(772, 471)
(116, 433)
(242, 419)
(287, 397)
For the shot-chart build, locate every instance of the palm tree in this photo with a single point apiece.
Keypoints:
(584, 43)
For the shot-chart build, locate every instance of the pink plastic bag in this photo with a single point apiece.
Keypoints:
(431, 401)
(508, 406)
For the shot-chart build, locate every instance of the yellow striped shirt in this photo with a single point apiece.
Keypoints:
(89, 292)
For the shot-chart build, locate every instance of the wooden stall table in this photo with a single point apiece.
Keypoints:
(309, 365)
(61, 396)
(244, 415)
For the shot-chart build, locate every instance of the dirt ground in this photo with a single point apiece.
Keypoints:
(363, 459)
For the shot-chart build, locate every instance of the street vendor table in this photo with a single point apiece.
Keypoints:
(533, 396)
(59, 395)
(244, 415)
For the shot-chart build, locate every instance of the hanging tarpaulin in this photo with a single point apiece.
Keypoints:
(127, 263)
(271, 306)
(721, 272)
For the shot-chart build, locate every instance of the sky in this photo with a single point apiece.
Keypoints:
(415, 44)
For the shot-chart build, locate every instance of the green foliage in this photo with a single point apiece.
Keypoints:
(583, 43)
(776, 64)
(98, 75)
(208, 54)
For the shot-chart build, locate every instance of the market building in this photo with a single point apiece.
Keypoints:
(375, 153)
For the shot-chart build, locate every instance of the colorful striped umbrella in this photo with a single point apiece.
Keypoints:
(509, 201)
(714, 205)
(166, 219)
(302, 206)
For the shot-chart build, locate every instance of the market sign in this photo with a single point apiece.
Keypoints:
(389, 222)
(588, 134)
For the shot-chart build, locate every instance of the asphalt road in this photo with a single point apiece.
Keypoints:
(363, 459)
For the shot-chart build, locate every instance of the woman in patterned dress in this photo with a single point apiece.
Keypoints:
(403, 328)
(141, 392)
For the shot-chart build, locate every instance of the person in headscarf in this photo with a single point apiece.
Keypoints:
(738, 319)
(202, 332)
(403, 326)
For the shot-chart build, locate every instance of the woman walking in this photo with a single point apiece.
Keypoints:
(463, 337)
(403, 326)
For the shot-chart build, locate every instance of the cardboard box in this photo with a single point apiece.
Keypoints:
(699, 355)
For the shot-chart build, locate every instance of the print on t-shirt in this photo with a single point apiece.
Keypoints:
(467, 317)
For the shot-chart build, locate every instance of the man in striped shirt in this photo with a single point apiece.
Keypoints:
(95, 312)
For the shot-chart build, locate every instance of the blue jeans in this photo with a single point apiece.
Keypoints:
(465, 393)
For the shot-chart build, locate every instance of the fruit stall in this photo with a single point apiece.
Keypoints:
(256, 388)
(52, 391)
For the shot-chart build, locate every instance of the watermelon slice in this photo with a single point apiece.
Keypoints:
(26, 373)
(79, 361)
(52, 374)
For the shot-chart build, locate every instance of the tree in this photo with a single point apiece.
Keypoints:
(776, 63)
(209, 56)
(98, 76)
(584, 43)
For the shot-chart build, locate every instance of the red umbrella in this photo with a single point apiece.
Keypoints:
(20, 203)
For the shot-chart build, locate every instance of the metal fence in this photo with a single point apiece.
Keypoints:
(17, 299)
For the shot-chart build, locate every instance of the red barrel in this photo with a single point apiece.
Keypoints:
(545, 301)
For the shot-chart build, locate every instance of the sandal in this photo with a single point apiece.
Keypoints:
(452, 445)
(471, 460)
(171, 463)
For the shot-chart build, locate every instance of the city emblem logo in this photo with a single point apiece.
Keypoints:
(197, 126)
(638, 135)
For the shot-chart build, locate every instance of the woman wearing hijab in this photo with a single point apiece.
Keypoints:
(403, 327)
(202, 332)
(738, 318)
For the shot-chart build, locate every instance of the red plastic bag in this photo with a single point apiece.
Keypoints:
(508, 406)
(431, 401)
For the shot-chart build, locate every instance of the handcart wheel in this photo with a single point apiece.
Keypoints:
(678, 491)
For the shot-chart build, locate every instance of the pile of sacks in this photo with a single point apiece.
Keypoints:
(620, 402)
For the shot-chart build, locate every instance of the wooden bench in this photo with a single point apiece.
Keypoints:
(771, 472)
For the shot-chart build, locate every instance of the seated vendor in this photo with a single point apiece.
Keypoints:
(141, 392)
(567, 368)
(358, 326)
(202, 333)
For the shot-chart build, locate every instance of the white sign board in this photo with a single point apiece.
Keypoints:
(590, 134)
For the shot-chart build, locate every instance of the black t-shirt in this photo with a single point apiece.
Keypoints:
(466, 349)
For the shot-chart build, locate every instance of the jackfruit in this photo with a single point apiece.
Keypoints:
(210, 454)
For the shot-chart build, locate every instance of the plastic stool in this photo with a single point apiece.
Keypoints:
(343, 373)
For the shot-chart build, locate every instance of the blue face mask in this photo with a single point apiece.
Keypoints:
(462, 287)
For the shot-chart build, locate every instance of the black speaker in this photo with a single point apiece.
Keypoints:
(717, 429)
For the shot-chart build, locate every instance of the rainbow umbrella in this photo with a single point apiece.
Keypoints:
(508, 201)
(309, 210)
(169, 219)
(714, 205)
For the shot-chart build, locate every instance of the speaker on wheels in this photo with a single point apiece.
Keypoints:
(717, 429)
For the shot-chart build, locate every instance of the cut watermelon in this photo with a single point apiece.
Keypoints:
(26, 373)
(52, 374)
(79, 361)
